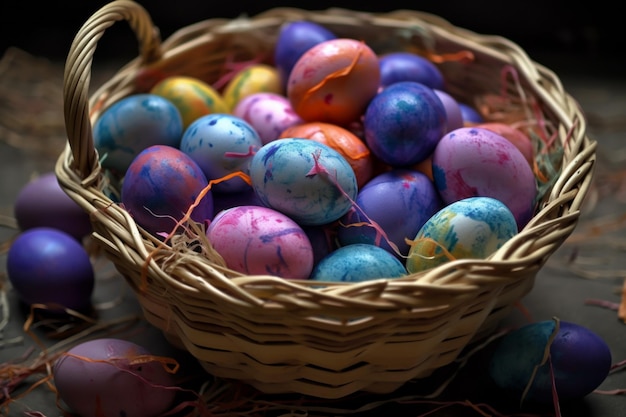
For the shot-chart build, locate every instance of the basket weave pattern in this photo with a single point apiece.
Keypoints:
(282, 336)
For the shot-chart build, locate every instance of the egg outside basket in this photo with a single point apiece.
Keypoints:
(284, 336)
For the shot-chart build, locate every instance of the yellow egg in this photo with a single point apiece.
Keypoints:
(255, 78)
(193, 97)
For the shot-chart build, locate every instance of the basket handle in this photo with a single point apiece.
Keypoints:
(77, 73)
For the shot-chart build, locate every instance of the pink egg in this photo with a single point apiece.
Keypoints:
(334, 81)
(515, 136)
(268, 113)
(477, 162)
(257, 240)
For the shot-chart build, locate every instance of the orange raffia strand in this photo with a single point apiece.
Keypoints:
(621, 311)
(463, 56)
(445, 251)
(185, 218)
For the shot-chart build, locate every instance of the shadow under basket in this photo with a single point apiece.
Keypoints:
(287, 336)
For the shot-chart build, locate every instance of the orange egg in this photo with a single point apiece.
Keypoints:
(334, 81)
(350, 146)
(515, 136)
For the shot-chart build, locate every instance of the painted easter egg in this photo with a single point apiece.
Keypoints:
(254, 78)
(349, 145)
(579, 361)
(268, 113)
(454, 116)
(389, 210)
(307, 180)
(257, 240)
(408, 66)
(404, 122)
(515, 136)
(471, 161)
(294, 39)
(471, 228)
(471, 116)
(191, 96)
(160, 187)
(222, 145)
(356, 263)
(132, 124)
(334, 81)
(50, 267)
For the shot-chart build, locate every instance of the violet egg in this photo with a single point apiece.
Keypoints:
(268, 113)
(132, 124)
(391, 208)
(111, 377)
(472, 161)
(454, 116)
(43, 203)
(579, 361)
(406, 66)
(310, 182)
(160, 187)
(470, 115)
(356, 263)
(404, 123)
(294, 39)
(221, 144)
(257, 240)
(48, 266)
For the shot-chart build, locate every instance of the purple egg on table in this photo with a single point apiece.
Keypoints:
(403, 123)
(397, 203)
(406, 66)
(48, 266)
(161, 185)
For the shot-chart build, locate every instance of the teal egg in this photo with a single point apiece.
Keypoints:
(358, 262)
(473, 227)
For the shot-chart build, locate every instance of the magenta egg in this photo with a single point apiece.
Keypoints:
(43, 203)
(396, 203)
(258, 240)
(406, 66)
(161, 185)
(475, 162)
(403, 123)
(48, 266)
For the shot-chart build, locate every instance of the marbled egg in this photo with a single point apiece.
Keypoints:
(471, 228)
(392, 207)
(404, 123)
(358, 262)
(408, 66)
(307, 180)
(268, 113)
(258, 240)
(161, 185)
(221, 144)
(254, 78)
(334, 81)
(192, 96)
(515, 136)
(132, 124)
(471, 161)
(349, 145)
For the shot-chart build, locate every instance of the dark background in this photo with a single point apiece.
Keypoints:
(591, 34)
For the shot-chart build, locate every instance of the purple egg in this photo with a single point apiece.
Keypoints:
(43, 203)
(403, 123)
(399, 202)
(406, 66)
(470, 114)
(160, 186)
(49, 266)
(476, 162)
(454, 115)
(294, 39)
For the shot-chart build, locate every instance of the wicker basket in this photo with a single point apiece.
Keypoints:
(284, 336)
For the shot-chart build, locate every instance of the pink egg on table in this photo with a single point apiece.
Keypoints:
(477, 162)
(268, 113)
(257, 240)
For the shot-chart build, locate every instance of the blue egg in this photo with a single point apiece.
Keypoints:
(403, 123)
(414, 200)
(132, 124)
(358, 262)
(221, 144)
(470, 114)
(304, 179)
(406, 66)
(294, 39)
(580, 360)
(48, 266)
